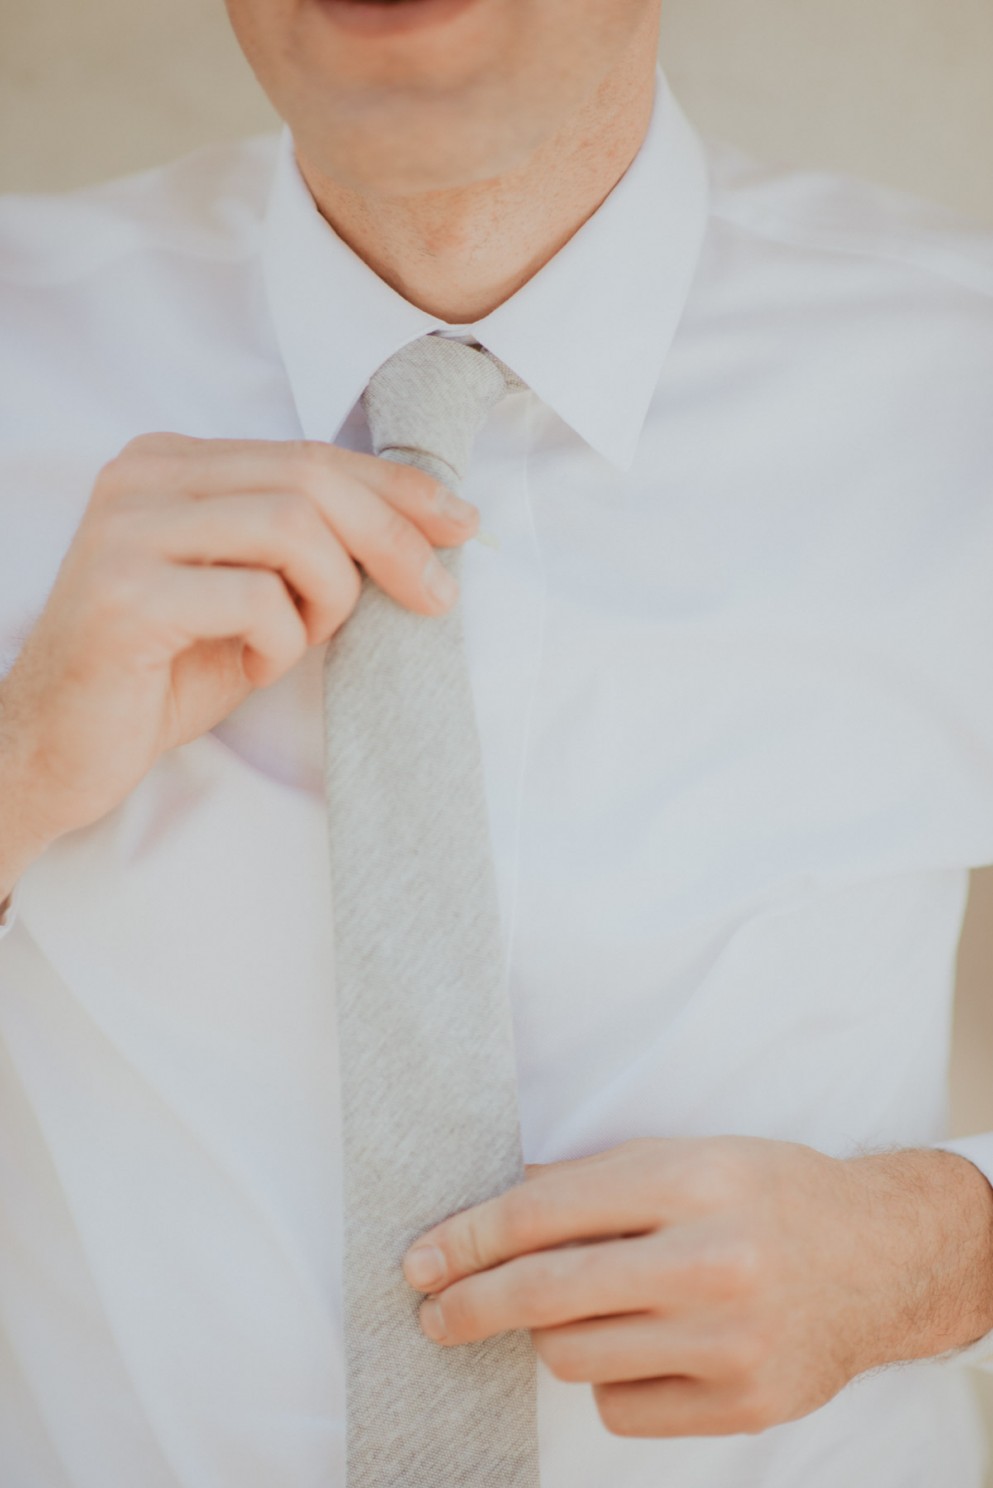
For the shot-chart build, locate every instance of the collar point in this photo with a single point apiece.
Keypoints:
(620, 456)
(618, 446)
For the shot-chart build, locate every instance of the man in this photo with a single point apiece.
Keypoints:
(727, 632)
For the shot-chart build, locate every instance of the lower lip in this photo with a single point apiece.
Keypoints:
(367, 18)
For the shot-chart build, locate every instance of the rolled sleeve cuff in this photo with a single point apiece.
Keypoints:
(979, 1151)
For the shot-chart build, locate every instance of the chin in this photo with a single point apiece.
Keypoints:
(400, 159)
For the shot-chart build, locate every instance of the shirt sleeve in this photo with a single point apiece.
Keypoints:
(979, 1151)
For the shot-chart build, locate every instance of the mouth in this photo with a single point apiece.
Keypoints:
(391, 17)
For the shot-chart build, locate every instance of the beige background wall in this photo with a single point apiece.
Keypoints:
(900, 91)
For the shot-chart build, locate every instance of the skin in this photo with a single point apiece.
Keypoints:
(201, 570)
(714, 1286)
(458, 159)
(704, 1287)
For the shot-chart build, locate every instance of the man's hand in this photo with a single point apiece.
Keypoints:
(706, 1287)
(201, 570)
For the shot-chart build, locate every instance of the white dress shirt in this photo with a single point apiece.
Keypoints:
(731, 659)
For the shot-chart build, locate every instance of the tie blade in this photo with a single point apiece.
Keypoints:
(429, 1093)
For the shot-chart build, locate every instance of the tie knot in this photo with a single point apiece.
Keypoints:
(427, 403)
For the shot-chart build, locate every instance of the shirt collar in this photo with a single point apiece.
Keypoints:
(588, 333)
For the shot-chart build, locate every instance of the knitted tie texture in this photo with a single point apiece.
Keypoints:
(429, 1104)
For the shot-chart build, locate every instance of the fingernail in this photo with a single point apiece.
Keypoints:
(424, 1267)
(455, 509)
(432, 1321)
(439, 582)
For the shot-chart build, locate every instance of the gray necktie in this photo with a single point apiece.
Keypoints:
(429, 1103)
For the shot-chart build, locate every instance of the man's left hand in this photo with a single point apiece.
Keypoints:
(712, 1286)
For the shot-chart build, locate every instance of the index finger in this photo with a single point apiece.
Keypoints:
(175, 463)
(591, 1199)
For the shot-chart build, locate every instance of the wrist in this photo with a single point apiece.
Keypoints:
(924, 1228)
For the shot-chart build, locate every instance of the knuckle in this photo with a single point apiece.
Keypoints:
(137, 468)
(315, 470)
(149, 451)
(410, 483)
(705, 1187)
(717, 1182)
(311, 452)
(122, 476)
(158, 443)
(143, 447)
(109, 480)
(310, 466)
(522, 1212)
(531, 1289)
(398, 539)
(470, 1244)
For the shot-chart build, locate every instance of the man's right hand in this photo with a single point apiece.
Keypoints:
(202, 569)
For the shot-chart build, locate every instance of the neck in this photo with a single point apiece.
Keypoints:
(459, 253)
